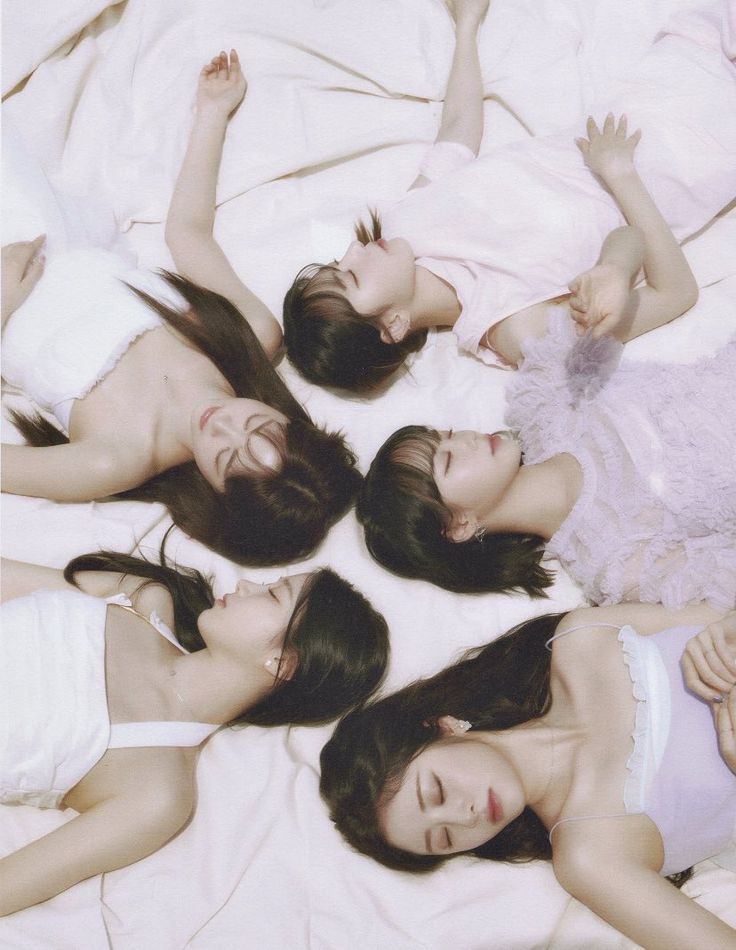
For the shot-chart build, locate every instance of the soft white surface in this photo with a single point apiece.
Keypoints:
(343, 99)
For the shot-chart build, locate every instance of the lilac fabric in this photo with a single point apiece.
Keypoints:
(656, 442)
(692, 799)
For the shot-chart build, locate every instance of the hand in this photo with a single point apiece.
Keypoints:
(725, 716)
(598, 299)
(222, 84)
(609, 153)
(709, 661)
(467, 12)
(22, 266)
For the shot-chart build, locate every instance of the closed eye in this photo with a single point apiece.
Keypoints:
(440, 790)
(357, 285)
(448, 839)
(448, 456)
(272, 593)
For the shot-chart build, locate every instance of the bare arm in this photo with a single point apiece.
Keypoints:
(670, 287)
(462, 110)
(601, 298)
(77, 471)
(191, 216)
(603, 290)
(613, 879)
(20, 578)
(117, 831)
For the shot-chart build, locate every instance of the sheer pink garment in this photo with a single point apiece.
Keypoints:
(656, 516)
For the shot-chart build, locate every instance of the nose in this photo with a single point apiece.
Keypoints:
(464, 814)
(349, 255)
(244, 586)
(224, 424)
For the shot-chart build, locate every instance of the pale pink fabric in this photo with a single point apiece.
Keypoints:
(656, 517)
(513, 227)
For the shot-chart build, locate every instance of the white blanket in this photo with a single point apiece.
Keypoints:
(343, 98)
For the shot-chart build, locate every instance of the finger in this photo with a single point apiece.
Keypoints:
(633, 141)
(694, 682)
(622, 123)
(605, 325)
(591, 127)
(33, 273)
(702, 664)
(726, 726)
(234, 60)
(608, 125)
(38, 242)
(584, 146)
(717, 633)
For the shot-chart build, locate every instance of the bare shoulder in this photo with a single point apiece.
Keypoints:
(162, 783)
(507, 337)
(585, 853)
(154, 598)
(644, 618)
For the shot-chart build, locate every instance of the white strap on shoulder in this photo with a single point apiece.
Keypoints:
(582, 626)
(126, 735)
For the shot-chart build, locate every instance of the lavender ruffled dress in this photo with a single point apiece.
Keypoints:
(656, 442)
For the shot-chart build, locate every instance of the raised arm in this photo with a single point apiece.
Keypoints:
(598, 296)
(462, 109)
(20, 578)
(601, 298)
(670, 286)
(191, 217)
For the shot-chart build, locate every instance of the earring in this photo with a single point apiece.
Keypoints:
(480, 533)
(464, 725)
(269, 663)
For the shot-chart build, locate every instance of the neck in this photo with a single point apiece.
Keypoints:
(539, 500)
(214, 688)
(542, 752)
(435, 302)
(187, 379)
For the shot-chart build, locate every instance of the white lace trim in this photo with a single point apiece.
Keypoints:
(651, 726)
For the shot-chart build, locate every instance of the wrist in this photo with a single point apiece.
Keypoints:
(211, 114)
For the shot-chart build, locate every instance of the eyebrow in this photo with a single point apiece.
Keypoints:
(427, 833)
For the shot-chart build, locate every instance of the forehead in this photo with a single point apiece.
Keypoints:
(417, 451)
(400, 817)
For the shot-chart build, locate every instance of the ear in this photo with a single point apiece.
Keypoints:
(282, 666)
(395, 327)
(461, 528)
(450, 726)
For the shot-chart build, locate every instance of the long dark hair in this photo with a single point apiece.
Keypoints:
(501, 685)
(405, 523)
(340, 641)
(259, 519)
(329, 342)
(496, 687)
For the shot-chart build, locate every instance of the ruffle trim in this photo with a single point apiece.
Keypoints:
(634, 787)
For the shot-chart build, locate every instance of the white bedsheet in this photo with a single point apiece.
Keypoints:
(343, 98)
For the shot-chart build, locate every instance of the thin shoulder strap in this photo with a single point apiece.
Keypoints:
(139, 735)
(582, 626)
(122, 600)
(618, 814)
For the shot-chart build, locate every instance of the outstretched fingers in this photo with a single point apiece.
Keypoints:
(725, 717)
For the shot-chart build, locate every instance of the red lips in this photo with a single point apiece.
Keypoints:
(205, 416)
(495, 809)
